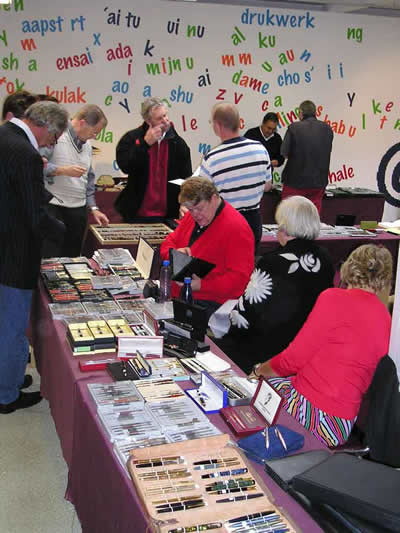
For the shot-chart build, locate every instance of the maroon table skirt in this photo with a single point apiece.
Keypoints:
(98, 485)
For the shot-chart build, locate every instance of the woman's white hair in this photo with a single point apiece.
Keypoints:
(298, 217)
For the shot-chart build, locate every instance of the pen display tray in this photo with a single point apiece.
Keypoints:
(177, 484)
(123, 234)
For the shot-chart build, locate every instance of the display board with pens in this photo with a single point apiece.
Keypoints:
(203, 485)
(124, 234)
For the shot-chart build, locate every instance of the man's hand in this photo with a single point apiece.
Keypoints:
(185, 250)
(268, 186)
(153, 134)
(100, 218)
(73, 171)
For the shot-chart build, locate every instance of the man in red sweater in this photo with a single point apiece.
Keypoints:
(214, 231)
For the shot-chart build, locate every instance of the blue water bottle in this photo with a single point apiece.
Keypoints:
(165, 282)
(186, 292)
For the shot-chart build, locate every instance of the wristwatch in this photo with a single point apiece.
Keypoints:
(255, 368)
(94, 208)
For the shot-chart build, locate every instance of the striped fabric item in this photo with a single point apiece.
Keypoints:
(239, 169)
(330, 430)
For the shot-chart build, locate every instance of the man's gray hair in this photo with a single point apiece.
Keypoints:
(308, 108)
(49, 114)
(298, 217)
(92, 114)
(148, 105)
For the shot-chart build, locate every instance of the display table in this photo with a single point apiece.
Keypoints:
(367, 206)
(362, 206)
(98, 485)
(339, 247)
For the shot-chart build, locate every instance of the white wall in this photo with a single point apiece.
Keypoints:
(347, 64)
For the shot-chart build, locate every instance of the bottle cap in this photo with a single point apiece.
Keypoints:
(165, 262)
(187, 280)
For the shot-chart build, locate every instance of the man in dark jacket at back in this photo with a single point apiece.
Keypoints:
(152, 155)
(307, 146)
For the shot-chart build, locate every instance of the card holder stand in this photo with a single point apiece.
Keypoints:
(210, 396)
(261, 413)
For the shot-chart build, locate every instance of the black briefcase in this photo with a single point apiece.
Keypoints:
(357, 486)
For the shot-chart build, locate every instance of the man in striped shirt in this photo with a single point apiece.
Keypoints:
(240, 168)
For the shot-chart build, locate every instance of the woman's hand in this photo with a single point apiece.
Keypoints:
(262, 370)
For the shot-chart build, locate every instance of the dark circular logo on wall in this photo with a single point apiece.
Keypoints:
(388, 184)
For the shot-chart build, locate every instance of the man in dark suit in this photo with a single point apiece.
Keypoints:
(23, 222)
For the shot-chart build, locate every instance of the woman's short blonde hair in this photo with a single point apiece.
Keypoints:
(368, 266)
(298, 217)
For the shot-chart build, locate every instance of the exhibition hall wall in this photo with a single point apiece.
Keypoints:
(116, 53)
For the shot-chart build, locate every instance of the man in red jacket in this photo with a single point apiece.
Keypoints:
(214, 231)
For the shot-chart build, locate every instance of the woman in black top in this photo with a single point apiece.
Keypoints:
(282, 289)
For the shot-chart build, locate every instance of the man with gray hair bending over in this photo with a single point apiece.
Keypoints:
(71, 180)
(152, 155)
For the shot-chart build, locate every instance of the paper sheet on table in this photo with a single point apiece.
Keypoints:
(219, 321)
(212, 361)
(394, 224)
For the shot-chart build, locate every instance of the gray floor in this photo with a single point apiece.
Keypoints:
(33, 473)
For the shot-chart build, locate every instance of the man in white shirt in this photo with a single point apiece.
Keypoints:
(70, 179)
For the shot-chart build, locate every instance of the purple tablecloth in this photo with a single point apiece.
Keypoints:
(102, 492)
(98, 486)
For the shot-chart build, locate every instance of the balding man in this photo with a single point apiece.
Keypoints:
(240, 168)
